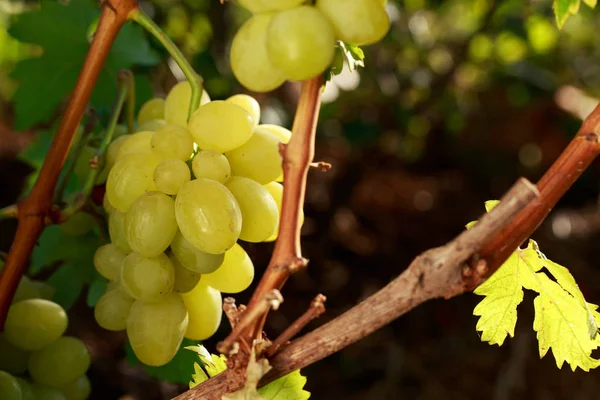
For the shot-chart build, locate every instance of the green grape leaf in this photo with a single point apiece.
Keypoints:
(97, 289)
(348, 54)
(564, 8)
(287, 387)
(62, 32)
(178, 370)
(211, 365)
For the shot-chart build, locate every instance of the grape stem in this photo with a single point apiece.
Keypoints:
(9, 212)
(34, 209)
(192, 77)
(125, 84)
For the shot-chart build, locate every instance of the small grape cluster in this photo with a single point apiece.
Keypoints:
(33, 343)
(288, 40)
(179, 195)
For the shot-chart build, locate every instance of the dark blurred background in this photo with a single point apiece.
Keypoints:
(460, 99)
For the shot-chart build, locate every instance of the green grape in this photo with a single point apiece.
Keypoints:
(78, 224)
(258, 159)
(194, 259)
(9, 387)
(261, 6)
(35, 323)
(236, 273)
(113, 150)
(172, 141)
(150, 224)
(258, 208)
(82, 167)
(221, 126)
(155, 330)
(170, 175)
(149, 279)
(151, 110)
(185, 280)
(248, 57)
(284, 134)
(208, 215)
(211, 165)
(44, 392)
(204, 305)
(79, 389)
(116, 231)
(300, 42)
(359, 22)
(276, 190)
(108, 208)
(152, 125)
(137, 143)
(12, 359)
(108, 260)
(177, 104)
(26, 389)
(112, 309)
(130, 177)
(60, 363)
(249, 104)
(29, 289)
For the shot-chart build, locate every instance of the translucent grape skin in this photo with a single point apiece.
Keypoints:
(194, 259)
(359, 22)
(258, 159)
(211, 165)
(284, 134)
(172, 141)
(155, 330)
(185, 280)
(294, 33)
(113, 150)
(147, 279)
(35, 323)
(112, 309)
(150, 110)
(152, 125)
(248, 56)
(177, 104)
(236, 273)
(220, 126)
(108, 260)
(261, 6)
(137, 143)
(26, 389)
(170, 175)
(45, 392)
(129, 178)
(150, 224)
(9, 387)
(12, 359)
(258, 208)
(79, 389)
(204, 305)
(208, 215)
(249, 104)
(60, 363)
(116, 231)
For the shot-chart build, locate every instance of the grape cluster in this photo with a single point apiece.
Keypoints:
(179, 195)
(33, 343)
(288, 40)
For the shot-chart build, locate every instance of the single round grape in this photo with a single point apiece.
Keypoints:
(177, 104)
(210, 164)
(108, 260)
(150, 224)
(258, 159)
(152, 109)
(185, 280)
(249, 104)
(155, 330)
(78, 224)
(113, 151)
(82, 167)
(147, 279)
(12, 359)
(284, 134)
(170, 175)
(35, 323)
(276, 190)
(172, 141)
(221, 126)
(292, 34)
(137, 143)
(60, 363)
(204, 305)
(258, 208)
(359, 22)
(236, 273)
(9, 387)
(152, 125)
(194, 259)
(116, 231)
(79, 389)
(26, 389)
(248, 56)
(261, 6)
(208, 215)
(129, 178)
(112, 309)
(44, 392)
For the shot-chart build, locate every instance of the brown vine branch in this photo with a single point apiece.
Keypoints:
(33, 209)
